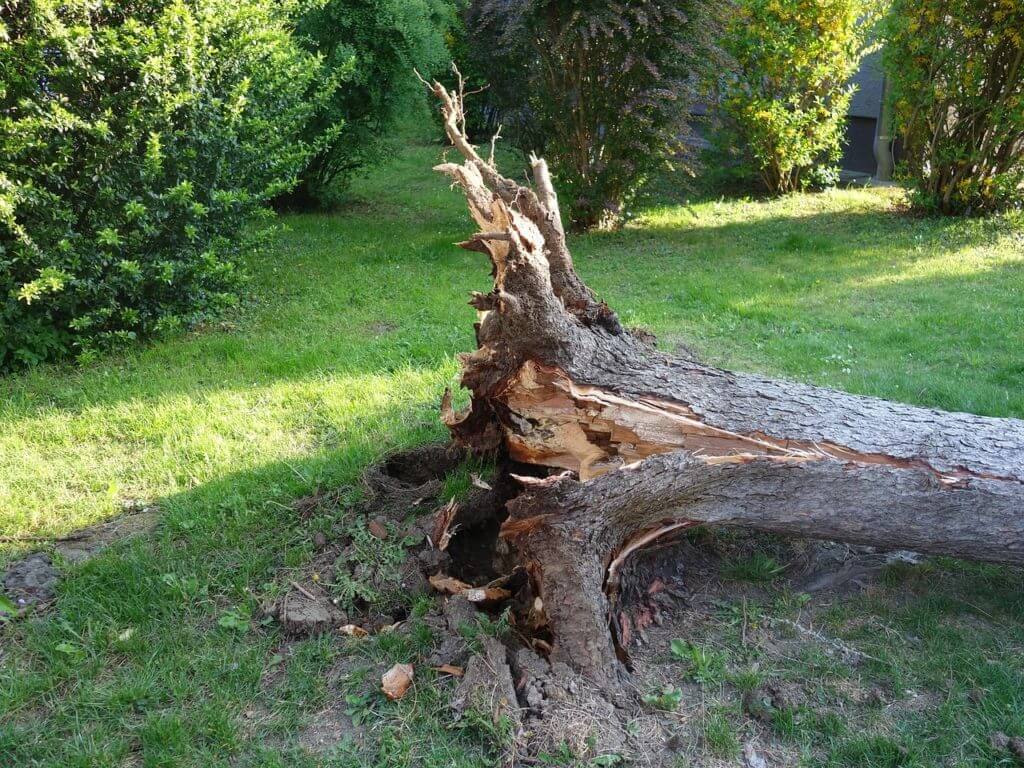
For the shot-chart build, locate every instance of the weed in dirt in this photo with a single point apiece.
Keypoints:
(668, 698)
(704, 665)
(499, 626)
(755, 567)
(720, 737)
(746, 679)
(459, 481)
(368, 571)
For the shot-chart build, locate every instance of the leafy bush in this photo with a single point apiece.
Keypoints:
(788, 94)
(957, 73)
(610, 86)
(137, 140)
(370, 50)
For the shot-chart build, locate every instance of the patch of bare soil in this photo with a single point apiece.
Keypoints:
(33, 580)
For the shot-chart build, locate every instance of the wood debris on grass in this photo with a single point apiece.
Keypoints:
(450, 669)
(448, 585)
(396, 681)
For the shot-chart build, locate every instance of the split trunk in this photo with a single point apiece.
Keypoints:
(637, 444)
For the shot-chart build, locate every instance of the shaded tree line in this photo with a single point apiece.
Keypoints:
(607, 91)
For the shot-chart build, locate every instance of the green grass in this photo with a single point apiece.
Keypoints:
(756, 567)
(344, 357)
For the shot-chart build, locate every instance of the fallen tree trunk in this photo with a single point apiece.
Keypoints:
(642, 444)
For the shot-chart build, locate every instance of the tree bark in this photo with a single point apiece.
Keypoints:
(641, 444)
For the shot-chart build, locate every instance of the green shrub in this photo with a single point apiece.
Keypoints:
(957, 74)
(609, 88)
(137, 139)
(370, 49)
(788, 94)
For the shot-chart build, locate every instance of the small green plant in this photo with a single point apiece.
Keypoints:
(360, 706)
(746, 679)
(901, 572)
(668, 699)
(498, 734)
(784, 722)
(706, 666)
(369, 571)
(237, 619)
(720, 737)
(8, 609)
(756, 567)
(459, 481)
(70, 651)
(485, 626)
(562, 756)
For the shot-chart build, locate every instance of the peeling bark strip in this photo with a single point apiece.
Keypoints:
(652, 444)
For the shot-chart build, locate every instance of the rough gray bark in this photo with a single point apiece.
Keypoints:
(650, 444)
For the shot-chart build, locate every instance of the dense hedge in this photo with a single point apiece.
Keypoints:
(137, 139)
(957, 72)
(787, 95)
(370, 49)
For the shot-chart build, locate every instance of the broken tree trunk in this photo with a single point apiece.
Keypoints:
(650, 444)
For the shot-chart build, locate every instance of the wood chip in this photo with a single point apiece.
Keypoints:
(443, 529)
(448, 415)
(396, 681)
(448, 585)
(450, 669)
(353, 631)
(377, 529)
(487, 596)
(481, 484)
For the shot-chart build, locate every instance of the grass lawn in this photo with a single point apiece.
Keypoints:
(359, 318)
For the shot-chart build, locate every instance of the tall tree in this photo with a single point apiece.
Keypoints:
(610, 87)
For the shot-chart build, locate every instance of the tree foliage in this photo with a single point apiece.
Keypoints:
(957, 71)
(788, 93)
(370, 49)
(609, 85)
(137, 139)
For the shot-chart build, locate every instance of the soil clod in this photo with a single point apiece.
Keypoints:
(486, 687)
(32, 581)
